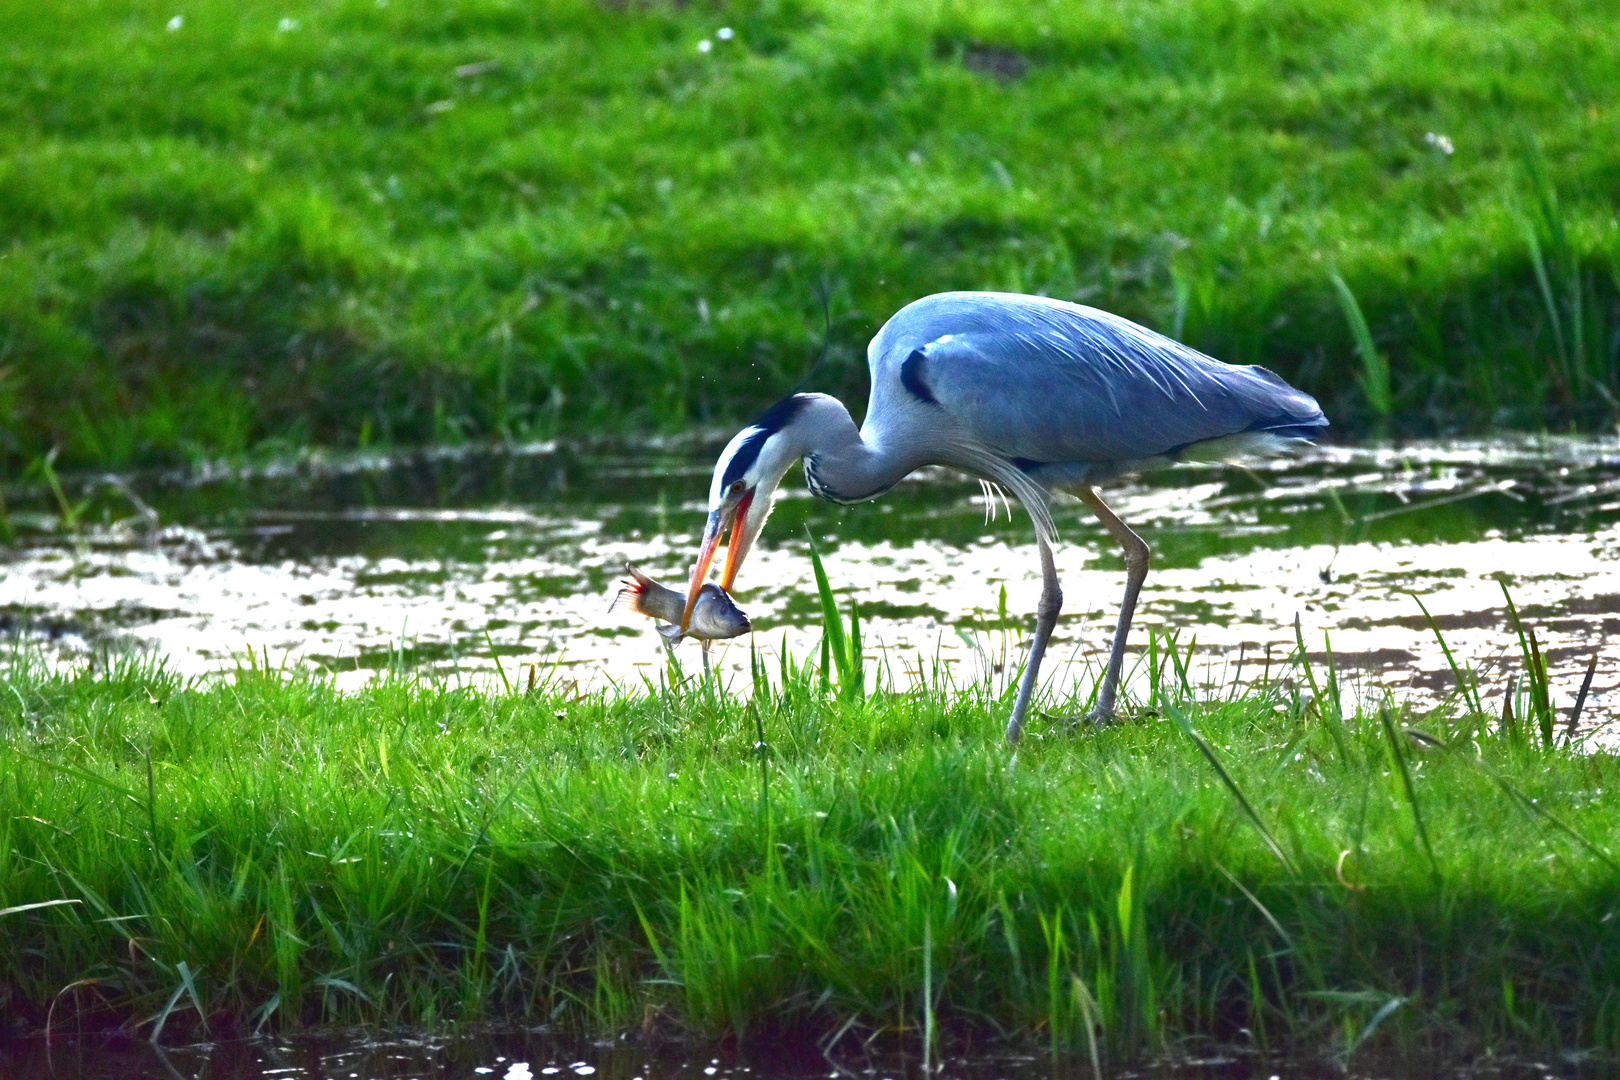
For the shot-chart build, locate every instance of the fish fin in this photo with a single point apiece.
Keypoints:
(636, 593)
(631, 591)
(672, 634)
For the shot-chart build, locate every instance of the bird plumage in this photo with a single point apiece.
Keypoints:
(1032, 393)
(1043, 382)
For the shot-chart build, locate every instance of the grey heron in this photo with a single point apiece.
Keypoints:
(1034, 394)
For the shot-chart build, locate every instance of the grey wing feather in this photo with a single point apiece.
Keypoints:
(1048, 381)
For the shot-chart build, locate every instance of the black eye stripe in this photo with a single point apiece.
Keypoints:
(770, 422)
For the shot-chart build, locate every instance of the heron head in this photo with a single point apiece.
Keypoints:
(740, 496)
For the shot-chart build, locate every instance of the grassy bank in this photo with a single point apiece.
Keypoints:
(273, 852)
(234, 224)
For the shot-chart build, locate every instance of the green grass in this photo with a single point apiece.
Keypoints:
(418, 222)
(267, 851)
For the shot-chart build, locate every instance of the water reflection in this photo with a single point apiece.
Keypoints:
(448, 560)
(533, 1054)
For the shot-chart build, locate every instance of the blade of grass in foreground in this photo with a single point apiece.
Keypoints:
(1231, 785)
(844, 649)
(1411, 791)
(1535, 669)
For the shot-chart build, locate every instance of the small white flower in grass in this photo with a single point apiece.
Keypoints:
(1441, 143)
(724, 33)
(705, 45)
(519, 1070)
(175, 23)
(286, 26)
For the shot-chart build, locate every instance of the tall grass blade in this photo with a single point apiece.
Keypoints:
(36, 906)
(1399, 754)
(928, 993)
(82, 774)
(1374, 374)
(1541, 692)
(844, 648)
(1535, 670)
(1255, 900)
(1231, 785)
(1378, 1017)
(187, 987)
(1335, 728)
(1538, 266)
(496, 656)
(1580, 698)
(763, 749)
(1468, 687)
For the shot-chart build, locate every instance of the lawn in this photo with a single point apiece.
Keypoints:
(237, 226)
(1264, 868)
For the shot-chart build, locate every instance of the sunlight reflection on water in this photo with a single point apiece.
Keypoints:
(438, 562)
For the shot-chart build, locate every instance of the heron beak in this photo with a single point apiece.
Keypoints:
(711, 540)
(740, 541)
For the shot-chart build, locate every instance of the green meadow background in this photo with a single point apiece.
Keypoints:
(241, 226)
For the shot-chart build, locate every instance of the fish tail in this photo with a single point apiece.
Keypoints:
(635, 592)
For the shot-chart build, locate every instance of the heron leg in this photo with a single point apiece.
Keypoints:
(1046, 617)
(1137, 556)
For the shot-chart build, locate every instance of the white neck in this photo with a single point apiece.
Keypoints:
(839, 464)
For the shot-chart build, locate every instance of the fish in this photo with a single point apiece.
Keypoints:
(715, 617)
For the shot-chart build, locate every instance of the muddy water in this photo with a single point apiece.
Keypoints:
(443, 562)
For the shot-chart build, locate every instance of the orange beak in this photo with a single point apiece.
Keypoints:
(719, 521)
(737, 548)
(711, 540)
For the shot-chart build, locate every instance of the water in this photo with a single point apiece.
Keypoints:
(537, 1056)
(447, 562)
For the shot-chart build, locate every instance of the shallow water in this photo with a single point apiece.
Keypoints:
(536, 1056)
(441, 562)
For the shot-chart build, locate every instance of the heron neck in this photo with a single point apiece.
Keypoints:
(840, 465)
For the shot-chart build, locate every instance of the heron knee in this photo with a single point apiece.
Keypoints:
(1137, 555)
(1051, 603)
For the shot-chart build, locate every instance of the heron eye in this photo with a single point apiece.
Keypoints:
(737, 486)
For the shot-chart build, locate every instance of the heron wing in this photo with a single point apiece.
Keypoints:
(1049, 381)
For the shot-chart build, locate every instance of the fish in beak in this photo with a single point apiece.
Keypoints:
(731, 516)
(715, 616)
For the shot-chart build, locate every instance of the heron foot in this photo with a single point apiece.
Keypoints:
(1094, 719)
